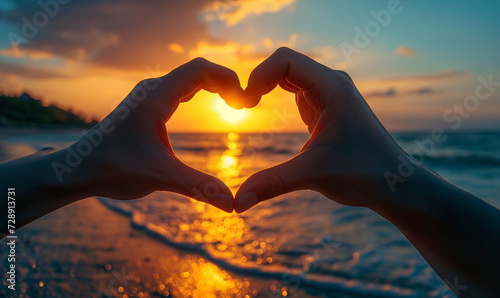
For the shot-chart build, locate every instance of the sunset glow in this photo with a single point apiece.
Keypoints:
(410, 75)
(229, 114)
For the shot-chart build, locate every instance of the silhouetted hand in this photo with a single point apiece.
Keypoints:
(347, 159)
(135, 157)
(127, 155)
(348, 151)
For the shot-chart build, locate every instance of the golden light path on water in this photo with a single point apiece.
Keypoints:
(225, 236)
(228, 166)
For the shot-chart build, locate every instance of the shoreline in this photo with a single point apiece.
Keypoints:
(87, 250)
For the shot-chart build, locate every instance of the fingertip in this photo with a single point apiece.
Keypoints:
(251, 102)
(204, 188)
(234, 98)
(251, 96)
(245, 201)
(224, 202)
(235, 105)
(251, 91)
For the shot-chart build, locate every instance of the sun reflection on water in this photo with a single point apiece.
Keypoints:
(185, 276)
(228, 165)
(223, 236)
(204, 279)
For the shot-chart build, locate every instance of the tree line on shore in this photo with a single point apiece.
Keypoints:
(24, 110)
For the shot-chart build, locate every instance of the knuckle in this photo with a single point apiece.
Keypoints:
(283, 51)
(199, 61)
(203, 190)
(144, 85)
(142, 90)
(276, 185)
(344, 76)
(144, 82)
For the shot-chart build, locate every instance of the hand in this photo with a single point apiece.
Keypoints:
(135, 157)
(349, 150)
(347, 158)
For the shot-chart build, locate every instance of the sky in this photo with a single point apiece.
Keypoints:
(419, 64)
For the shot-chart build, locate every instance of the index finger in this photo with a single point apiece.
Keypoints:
(200, 73)
(284, 65)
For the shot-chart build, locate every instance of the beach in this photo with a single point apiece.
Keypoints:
(86, 250)
(297, 245)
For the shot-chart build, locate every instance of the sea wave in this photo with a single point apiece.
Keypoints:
(454, 160)
(351, 284)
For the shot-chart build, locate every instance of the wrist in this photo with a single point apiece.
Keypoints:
(38, 188)
(70, 176)
(412, 193)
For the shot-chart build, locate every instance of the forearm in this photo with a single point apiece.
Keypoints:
(457, 233)
(39, 187)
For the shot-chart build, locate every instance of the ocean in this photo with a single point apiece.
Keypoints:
(301, 238)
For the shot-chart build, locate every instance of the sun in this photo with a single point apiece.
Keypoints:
(229, 114)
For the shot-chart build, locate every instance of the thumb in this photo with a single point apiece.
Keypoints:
(289, 176)
(202, 187)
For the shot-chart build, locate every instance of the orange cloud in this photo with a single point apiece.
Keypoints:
(268, 43)
(226, 53)
(21, 53)
(291, 42)
(406, 51)
(175, 47)
(233, 12)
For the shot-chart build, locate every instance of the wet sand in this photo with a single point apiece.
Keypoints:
(87, 250)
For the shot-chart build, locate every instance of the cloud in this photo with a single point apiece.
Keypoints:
(30, 72)
(433, 77)
(268, 43)
(125, 35)
(236, 53)
(226, 51)
(405, 51)
(392, 92)
(175, 47)
(128, 35)
(292, 41)
(234, 11)
(21, 53)
(424, 90)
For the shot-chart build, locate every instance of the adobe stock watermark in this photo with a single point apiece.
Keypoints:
(456, 287)
(118, 280)
(277, 123)
(455, 116)
(364, 36)
(293, 280)
(86, 145)
(150, 73)
(31, 26)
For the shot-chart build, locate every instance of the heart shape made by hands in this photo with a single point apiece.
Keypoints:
(341, 124)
